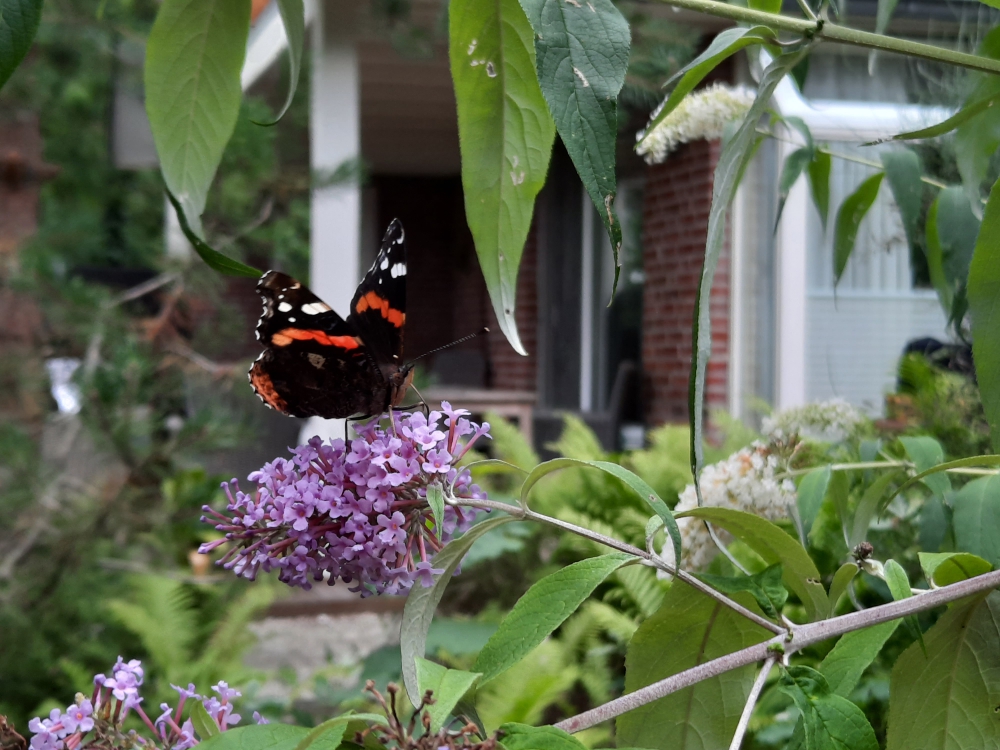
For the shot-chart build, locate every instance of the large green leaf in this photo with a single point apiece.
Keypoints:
(192, 78)
(976, 519)
(19, 21)
(774, 546)
(422, 602)
(505, 133)
(689, 629)
(984, 308)
(848, 660)
(904, 172)
(256, 737)
(293, 16)
(327, 735)
(819, 183)
(542, 609)
(977, 139)
(830, 721)
(947, 699)
(525, 737)
(765, 587)
(849, 216)
(448, 686)
(944, 568)
(736, 153)
(725, 45)
(581, 52)
(637, 483)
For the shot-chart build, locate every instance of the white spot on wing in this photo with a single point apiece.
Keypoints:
(402, 234)
(291, 320)
(284, 307)
(315, 308)
(399, 269)
(385, 263)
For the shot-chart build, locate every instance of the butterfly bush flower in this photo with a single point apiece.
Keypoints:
(356, 511)
(829, 421)
(97, 721)
(748, 481)
(703, 114)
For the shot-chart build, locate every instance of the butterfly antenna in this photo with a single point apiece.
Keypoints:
(409, 365)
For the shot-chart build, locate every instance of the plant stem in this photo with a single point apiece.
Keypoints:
(530, 515)
(758, 686)
(832, 32)
(801, 637)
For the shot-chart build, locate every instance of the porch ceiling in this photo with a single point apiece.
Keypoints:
(408, 119)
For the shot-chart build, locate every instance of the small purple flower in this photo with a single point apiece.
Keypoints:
(188, 692)
(225, 692)
(258, 719)
(438, 462)
(393, 531)
(425, 574)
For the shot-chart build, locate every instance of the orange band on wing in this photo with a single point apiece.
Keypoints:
(374, 302)
(286, 336)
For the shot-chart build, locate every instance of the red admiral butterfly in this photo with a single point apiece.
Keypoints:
(315, 363)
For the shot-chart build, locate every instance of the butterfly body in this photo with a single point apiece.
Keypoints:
(316, 363)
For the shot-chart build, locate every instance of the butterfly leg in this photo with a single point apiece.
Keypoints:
(423, 402)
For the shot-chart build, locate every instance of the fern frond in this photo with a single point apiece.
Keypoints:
(578, 441)
(509, 444)
(643, 587)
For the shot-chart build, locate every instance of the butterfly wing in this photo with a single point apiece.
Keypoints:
(378, 310)
(314, 362)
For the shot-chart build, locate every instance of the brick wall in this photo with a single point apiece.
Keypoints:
(676, 205)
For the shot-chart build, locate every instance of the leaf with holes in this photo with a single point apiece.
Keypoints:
(422, 602)
(19, 21)
(774, 546)
(947, 699)
(581, 54)
(984, 309)
(689, 629)
(542, 609)
(505, 134)
(192, 79)
(849, 216)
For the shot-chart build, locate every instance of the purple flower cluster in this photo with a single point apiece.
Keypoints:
(357, 511)
(104, 713)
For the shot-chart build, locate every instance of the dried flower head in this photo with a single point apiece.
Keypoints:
(357, 511)
(829, 421)
(748, 481)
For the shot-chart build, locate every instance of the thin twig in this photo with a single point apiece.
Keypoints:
(758, 686)
(802, 637)
(650, 559)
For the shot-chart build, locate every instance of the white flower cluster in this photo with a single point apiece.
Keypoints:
(702, 114)
(829, 421)
(745, 481)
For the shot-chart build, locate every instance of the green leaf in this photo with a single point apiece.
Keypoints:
(768, 6)
(581, 52)
(976, 519)
(849, 216)
(944, 568)
(505, 133)
(812, 490)
(935, 257)
(192, 78)
(819, 183)
(868, 507)
(904, 172)
(959, 463)
(848, 660)
(19, 21)
(765, 587)
(542, 609)
(934, 524)
(899, 586)
(977, 139)
(422, 602)
(830, 721)
(736, 152)
(435, 499)
(639, 485)
(254, 737)
(883, 14)
(726, 44)
(293, 16)
(957, 229)
(947, 699)
(328, 735)
(926, 452)
(215, 260)
(203, 723)
(448, 686)
(840, 488)
(967, 112)
(984, 307)
(841, 580)
(689, 629)
(774, 546)
(792, 169)
(525, 737)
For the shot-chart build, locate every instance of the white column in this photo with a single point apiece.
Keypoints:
(335, 138)
(792, 283)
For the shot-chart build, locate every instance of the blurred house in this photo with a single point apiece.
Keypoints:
(780, 335)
